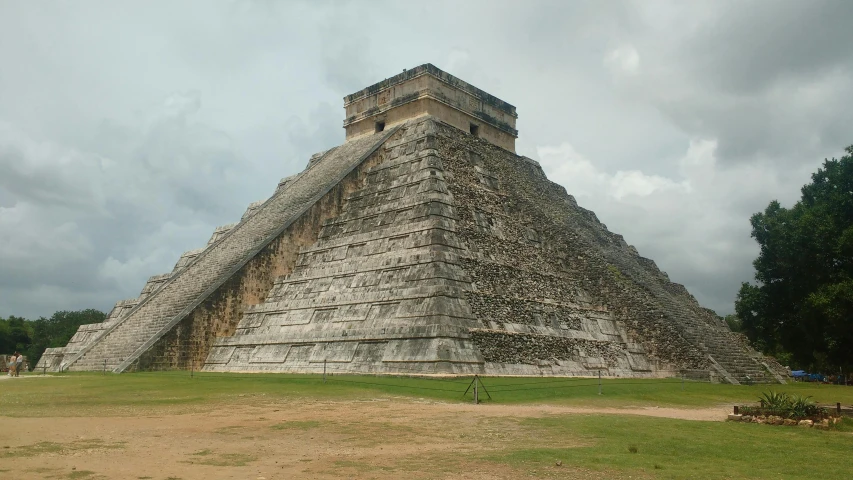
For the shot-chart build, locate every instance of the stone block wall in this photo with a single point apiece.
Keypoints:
(422, 249)
(180, 294)
(188, 344)
(379, 291)
(426, 90)
(537, 258)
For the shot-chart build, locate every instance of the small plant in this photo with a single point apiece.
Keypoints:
(615, 272)
(633, 449)
(775, 401)
(803, 407)
(785, 406)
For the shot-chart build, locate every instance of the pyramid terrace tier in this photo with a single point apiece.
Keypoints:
(182, 293)
(423, 249)
(416, 259)
(395, 277)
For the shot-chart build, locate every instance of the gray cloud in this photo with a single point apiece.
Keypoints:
(754, 46)
(763, 78)
(127, 133)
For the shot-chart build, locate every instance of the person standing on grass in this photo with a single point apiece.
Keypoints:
(11, 365)
(19, 363)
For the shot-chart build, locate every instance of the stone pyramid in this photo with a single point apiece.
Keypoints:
(422, 245)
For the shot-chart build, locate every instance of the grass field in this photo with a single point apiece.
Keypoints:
(79, 392)
(290, 426)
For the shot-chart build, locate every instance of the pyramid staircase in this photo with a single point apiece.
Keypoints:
(425, 247)
(168, 298)
(407, 278)
(728, 359)
(380, 291)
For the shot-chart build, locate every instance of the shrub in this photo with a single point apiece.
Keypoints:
(775, 401)
(803, 407)
(786, 406)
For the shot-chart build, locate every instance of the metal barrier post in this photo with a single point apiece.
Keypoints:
(682, 381)
(484, 387)
(476, 399)
(105, 366)
(599, 382)
(324, 370)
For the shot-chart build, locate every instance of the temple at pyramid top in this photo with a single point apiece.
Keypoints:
(427, 90)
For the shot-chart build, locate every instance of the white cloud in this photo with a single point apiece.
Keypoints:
(695, 225)
(623, 60)
(78, 222)
(580, 177)
(456, 60)
(182, 104)
(26, 232)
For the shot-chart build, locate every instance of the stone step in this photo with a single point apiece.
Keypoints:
(210, 267)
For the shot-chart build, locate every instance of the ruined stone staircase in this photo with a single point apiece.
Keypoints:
(87, 335)
(726, 357)
(383, 288)
(380, 290)
(124, 341)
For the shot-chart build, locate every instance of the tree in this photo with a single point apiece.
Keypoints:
(57, 330)
(733, 322)
(802, 302)
(31, 338)
(14, 335)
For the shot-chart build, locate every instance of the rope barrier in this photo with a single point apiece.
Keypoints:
(345, 377)
(405, 376)
(497, 389)
(395, 386)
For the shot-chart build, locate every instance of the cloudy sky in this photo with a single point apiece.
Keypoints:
(129, 130)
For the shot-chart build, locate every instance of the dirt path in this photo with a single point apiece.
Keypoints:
(381, 439)
(714, 414)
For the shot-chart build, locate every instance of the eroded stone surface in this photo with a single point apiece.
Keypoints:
(382, 290)
(168, 300)
(422, 248)
(458, 256)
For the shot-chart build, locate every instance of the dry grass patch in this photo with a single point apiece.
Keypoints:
(207, 457)
(54, 448)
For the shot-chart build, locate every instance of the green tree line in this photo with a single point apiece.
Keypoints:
(800, 307)
(32, 337)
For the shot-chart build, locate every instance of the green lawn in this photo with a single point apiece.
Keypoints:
(615, 445)
(67, 393)
(677, 449)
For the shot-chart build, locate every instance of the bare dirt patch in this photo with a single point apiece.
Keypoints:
(380, 439)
